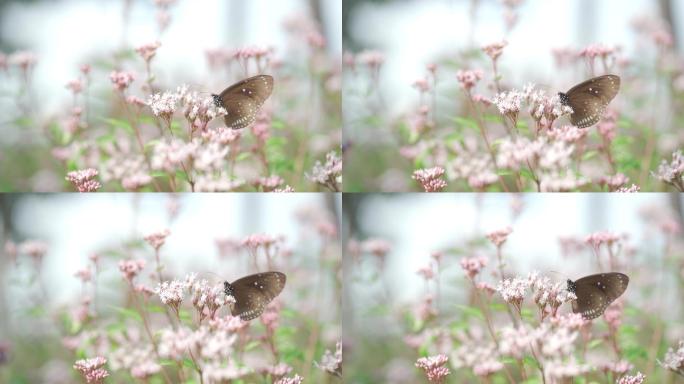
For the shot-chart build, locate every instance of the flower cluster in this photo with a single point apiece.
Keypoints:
(329, 174)
(83, 180)
(434, 367)
(92, 369)
(671, 173)
(430, 179)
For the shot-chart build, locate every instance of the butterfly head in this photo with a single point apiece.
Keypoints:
(228, 289)
(217, 100)
(572, 287)
(563, 98)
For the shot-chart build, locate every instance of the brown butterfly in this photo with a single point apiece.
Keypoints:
(243, 100)
(589, 99)
(596, 292)
(252, 293)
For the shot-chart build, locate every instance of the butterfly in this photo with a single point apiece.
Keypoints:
(252, 293)
(589, 99)
(596, 292)
(243, 100)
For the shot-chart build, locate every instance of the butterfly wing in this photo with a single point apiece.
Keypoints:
(243, 100)
(590, 99)
(252, 293)
(596, 292)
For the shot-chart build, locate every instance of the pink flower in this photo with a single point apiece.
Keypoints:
(631, 189)
(222, 135)
(482, 99)
(421, 85)
(377, 247)
(131, 268)
(85, 69)
(596, 50)
(76, 86)
(513, 290)
(258, 240)
(329, 174)
(136, 101)
(91, 369)
(499, 237)
(23, 59)
(430, 179)
(34, 248)
(147, 51)
(121, 79)
(270, 183)
(494, 50)
(83, 180)
(613, 315)
(426, 272)
(296, 379)
(618, 368)
(614, 182)
(509, 102)
(157, 239)
(671, 173)
(674, 359)
(597, 239)
(607, 127)
(84, 274)
(285, 189)
(636, 379)
(473, 265)
(372, 59)
(434, 367)
(332, 363)
(170, 292)
(164, 104)
(485, 287)
(469, 78)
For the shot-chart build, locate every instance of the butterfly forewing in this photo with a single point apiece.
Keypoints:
(596, 292)
(253, 293)
(243, 100)
(590, 99)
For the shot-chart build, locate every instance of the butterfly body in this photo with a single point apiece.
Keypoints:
(596, 292)
(243, 100)
(590, 99)
(252, 293)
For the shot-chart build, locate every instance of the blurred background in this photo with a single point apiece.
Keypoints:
(389, 45)
(45, 44)
(65, 34)
(47, 239)
(390, 237)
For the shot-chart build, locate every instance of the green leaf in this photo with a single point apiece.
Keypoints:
(243, 156)
(252, 345)
(470, 311)
(128, 313)
(167, 362)
(466, 123)
(594, 343)
(527, 174)
(189, 363)
(529, 360)
(277, 124)
(117, 123)
(589, 155)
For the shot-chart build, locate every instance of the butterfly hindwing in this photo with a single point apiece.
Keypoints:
(253, 293)
(590, 99)
(596, 292)
(243, 100)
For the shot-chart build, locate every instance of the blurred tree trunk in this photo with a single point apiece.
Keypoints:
(667, 14)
